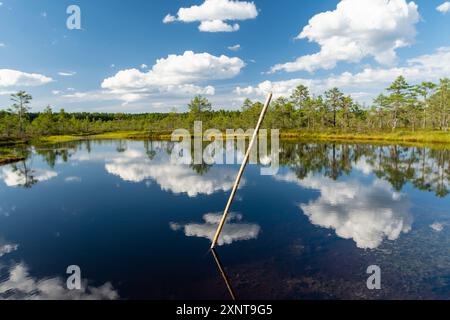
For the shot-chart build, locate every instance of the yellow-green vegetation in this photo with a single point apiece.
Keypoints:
(131, 135)
(114, 135)
(427, 137)
(57, 139)
(142, 135)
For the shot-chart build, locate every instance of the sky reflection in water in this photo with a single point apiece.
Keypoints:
(139, 226)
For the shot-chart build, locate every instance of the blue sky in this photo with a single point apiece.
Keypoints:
(111, 64)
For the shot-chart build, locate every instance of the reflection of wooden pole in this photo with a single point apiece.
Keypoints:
(241, 171)
(224, 275)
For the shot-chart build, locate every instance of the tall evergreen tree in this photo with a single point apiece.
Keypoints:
(21, 107)
(334, 101)
(199, 105)
(425, 90)
(397, 98)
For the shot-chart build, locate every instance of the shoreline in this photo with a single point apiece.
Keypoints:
(435, 137)
(432, 139)
(429, 137)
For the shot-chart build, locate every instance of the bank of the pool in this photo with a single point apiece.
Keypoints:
(420, 137)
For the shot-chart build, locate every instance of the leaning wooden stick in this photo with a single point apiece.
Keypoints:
(241, 171)
(224, 275)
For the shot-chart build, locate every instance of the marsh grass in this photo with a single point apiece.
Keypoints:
(132, 135)
(421, 137)
(430, 138)
(57, 139)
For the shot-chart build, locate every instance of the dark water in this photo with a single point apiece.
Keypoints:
(140, 227)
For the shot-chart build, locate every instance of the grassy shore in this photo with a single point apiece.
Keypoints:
(394, 137)
(437, 139)
(57, 139)
(132, 135)
(397, 137)
(427, 137)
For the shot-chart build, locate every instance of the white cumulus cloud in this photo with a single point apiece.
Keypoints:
(169, 18)
(444, 8)
(218, 26)
(176, 74)
(357, 29)
(363, 85)
(214, 14)
(15, 78)
(182, 69)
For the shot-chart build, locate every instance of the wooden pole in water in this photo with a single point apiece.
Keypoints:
(224, 275)
(241, 171)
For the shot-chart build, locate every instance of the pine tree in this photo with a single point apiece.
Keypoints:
(20, 107)
(334, 100)
(397, 99)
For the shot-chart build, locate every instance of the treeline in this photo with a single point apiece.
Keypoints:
(402, 106)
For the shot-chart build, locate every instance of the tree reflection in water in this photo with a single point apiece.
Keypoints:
(427, 169)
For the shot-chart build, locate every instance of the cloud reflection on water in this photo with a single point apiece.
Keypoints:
(16, 178)
(232, 231)
(7, 247)
(17, 284)
(366, 213)
(134, 165)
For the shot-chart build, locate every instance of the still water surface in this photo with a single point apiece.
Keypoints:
(140, 226)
